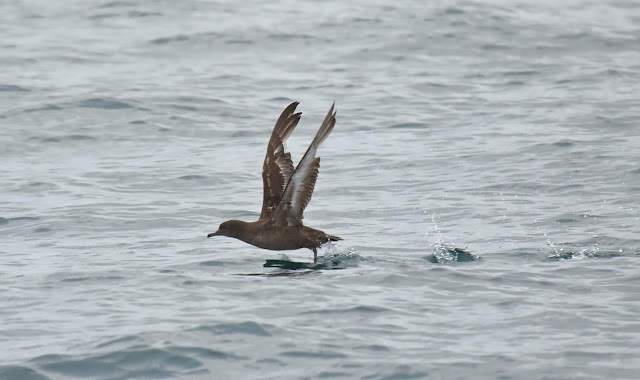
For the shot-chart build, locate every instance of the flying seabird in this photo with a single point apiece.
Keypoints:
(286, 193)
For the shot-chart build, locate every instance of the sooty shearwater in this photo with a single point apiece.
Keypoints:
(286, 193)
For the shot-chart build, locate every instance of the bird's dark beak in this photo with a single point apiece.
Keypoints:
(212, 234)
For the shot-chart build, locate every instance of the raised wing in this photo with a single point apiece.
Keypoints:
(278, 168)
(299, 189)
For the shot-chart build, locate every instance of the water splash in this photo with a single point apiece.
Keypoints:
(335, 259)
(558, 252)
(437, 229)
(450, 254)
(447, 253)
(585, 253)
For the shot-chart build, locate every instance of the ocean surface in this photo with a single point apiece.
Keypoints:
(484, 173)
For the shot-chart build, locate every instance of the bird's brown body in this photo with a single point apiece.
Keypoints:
(264, 234)
(286, 193)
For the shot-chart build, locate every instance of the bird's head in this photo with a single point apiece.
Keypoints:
(230, 228)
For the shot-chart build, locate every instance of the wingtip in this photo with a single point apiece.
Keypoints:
(291, 107)
(333, 105)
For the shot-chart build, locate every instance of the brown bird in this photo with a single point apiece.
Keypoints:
(286, 193)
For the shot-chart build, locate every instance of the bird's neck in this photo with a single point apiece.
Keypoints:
(242, 231)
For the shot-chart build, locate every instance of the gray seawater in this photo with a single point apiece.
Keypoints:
(484, 173)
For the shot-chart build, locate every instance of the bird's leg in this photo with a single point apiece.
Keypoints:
(315, 256)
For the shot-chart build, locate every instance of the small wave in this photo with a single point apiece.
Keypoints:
(314, 354)
(242, 133)
(374, 347)
(520, 73)
(281, 99)
(138, 14)
(567, 188)
(103, 103)
(291, 36)
(135, 362)
(90, 367)
(115, 4)
(149, 362)
(564, 143)
(361, 309)
(130, 14)
(453, 11)
(183, 108)
(405, 373)
(20, 218)
(494, 47)
(566, 220)
(20, 372)
(374, 20)
(237, 41)
(96, 278)
(80, 137)
(102, 16)
(408, 126)
(192, 177)
(59, 139)
(48, 107)
(118, 341)
(248, 328)
(12, 88)
(166, 40)
(332, 374)
(205, 353)
(212, 263)
(572, 36)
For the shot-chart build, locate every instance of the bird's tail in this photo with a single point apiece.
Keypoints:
(334, 238)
